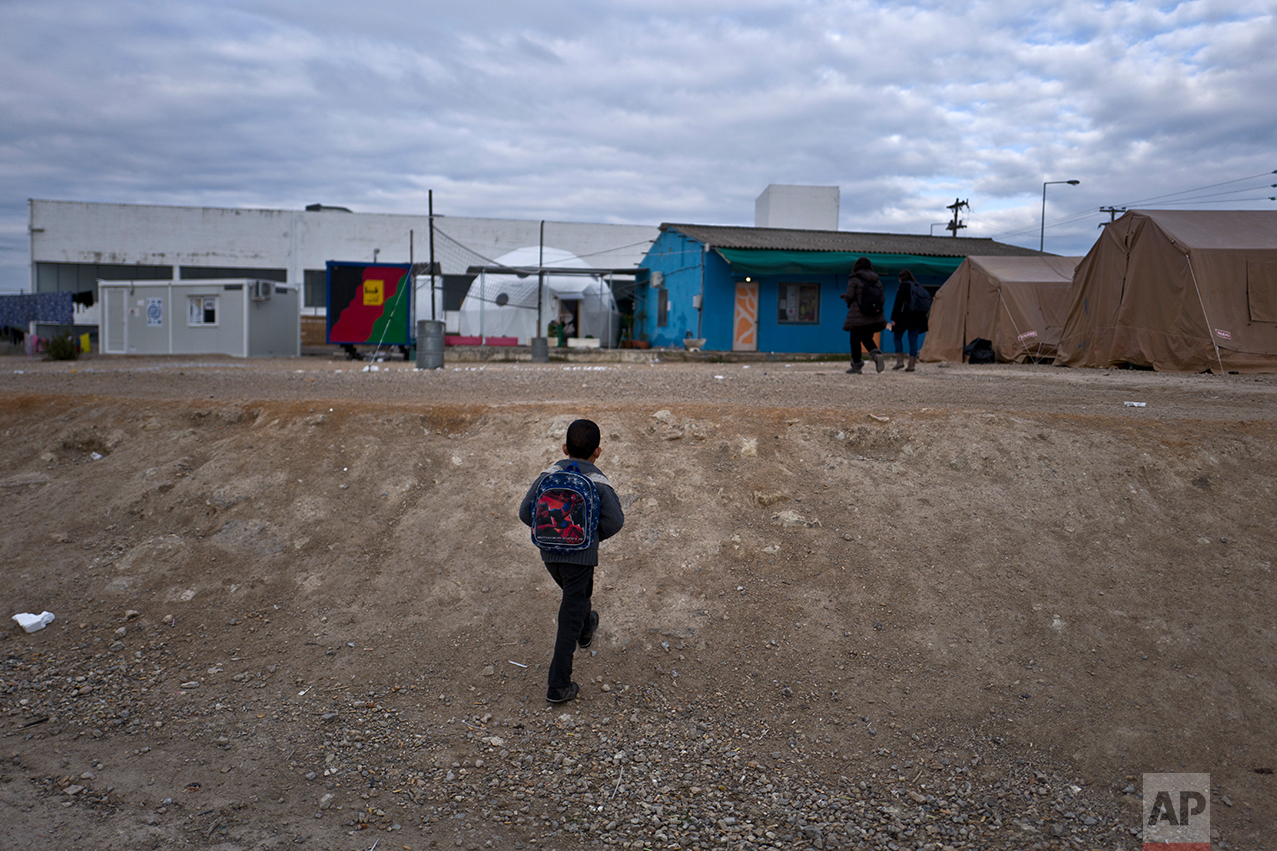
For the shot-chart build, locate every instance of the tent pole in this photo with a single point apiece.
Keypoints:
(1027, 353)
(1210, 333)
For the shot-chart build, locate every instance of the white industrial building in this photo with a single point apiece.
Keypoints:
(74, 245)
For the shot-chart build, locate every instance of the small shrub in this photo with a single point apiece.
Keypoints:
(63, 347)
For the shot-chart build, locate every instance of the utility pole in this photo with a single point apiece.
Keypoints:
(954, 224)
(1112, 211)
(431, 214)
(540, 275)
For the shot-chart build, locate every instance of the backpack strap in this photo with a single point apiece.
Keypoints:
(597, 478)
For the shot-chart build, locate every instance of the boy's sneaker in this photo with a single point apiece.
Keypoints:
(563, 695)
(587, 637)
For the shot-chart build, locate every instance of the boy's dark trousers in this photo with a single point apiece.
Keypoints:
(577, 582)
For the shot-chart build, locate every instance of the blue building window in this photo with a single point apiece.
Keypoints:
(798, 304)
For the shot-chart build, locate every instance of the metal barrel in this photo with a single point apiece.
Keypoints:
(429, 344)
(540, 350)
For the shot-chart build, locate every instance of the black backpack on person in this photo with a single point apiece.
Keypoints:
(871, 297)
(919, 298)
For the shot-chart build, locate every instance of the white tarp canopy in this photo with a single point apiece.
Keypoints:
(516, 316)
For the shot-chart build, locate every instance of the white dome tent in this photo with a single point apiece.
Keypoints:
(505, 304)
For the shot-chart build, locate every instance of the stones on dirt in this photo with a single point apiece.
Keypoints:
(672, 430)
(790, 519)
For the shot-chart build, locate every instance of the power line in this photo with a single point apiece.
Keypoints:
(1199, 189)
(1170, 199)
(1074, 217)
(1216, 195)
(1198, 200)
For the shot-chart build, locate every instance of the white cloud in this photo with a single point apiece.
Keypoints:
(635, 112)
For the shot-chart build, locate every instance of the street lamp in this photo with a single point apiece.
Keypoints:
(1042, 236)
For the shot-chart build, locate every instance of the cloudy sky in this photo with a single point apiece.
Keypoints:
(641, 112)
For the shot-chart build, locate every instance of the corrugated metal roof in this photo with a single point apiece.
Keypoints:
(792, 239)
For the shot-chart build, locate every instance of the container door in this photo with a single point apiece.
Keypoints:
(745, 317)
(113, 328)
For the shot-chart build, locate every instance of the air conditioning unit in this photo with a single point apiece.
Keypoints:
(261, 290)
(658, 280)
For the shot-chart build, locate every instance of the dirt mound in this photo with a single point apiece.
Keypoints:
(279, 617)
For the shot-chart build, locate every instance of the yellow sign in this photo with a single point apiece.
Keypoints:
(374, 293)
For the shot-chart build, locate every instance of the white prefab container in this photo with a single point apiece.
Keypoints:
(235, 316)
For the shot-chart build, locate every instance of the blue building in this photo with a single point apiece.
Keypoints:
(777, 289)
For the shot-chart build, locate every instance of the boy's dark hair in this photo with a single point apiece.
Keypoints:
(862, 264)
(582, 439)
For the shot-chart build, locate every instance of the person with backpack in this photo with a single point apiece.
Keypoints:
(864, 297)
(909, 316)
(571, 507)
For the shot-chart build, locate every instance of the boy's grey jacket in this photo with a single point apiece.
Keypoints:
(611, 518)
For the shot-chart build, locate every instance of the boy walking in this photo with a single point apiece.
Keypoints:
(573, 571)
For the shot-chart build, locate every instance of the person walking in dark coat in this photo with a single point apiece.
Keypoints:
(906, 321)
(864, 313)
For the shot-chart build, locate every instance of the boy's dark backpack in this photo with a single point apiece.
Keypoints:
(871, 297)
(919, 298)
(565, 511)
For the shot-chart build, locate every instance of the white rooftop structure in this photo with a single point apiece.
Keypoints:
(799, 207)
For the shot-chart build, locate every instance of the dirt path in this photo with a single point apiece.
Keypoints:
(964, 608)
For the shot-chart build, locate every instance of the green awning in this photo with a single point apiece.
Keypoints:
(769, 261)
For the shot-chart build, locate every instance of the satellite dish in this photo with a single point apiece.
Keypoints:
(502, 300)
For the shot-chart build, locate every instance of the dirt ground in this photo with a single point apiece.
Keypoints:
(267, 572)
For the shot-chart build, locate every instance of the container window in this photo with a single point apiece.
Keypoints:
(202, 310)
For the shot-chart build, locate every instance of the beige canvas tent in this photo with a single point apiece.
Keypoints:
(1177, 290)
(1017, 303)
